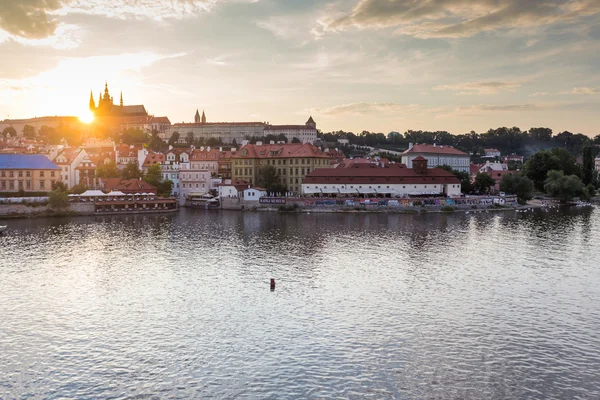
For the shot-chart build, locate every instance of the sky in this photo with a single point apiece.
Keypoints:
(354, 65)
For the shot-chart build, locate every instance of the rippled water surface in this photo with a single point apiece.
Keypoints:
(366, 306)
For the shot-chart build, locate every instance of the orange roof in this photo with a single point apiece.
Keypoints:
(432, 149)
(204, 155)
(128, 185)
(290, 150)
(154, 158)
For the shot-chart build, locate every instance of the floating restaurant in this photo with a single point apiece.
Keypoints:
(118, 202)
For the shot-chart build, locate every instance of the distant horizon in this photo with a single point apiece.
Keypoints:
(354, 65)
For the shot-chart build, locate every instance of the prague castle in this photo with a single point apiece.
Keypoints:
(107, 108)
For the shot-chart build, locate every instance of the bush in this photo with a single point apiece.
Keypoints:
(58, 199)
(417, 203)
(591, 190)
(447, 209)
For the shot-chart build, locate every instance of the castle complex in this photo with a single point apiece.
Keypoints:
(107, 108)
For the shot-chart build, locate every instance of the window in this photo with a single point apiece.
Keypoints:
(20, 174)
(3, 174)
(11, 174)
(20, 185)
(42, 185)
(3, 185)
(28, 184)
(11, 185)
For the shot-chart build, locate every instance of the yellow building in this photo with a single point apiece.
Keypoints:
(30, 172)
(292, 161)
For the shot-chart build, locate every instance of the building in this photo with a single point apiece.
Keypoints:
(68, 160)
(205, 158)
(254, 193)
(193, 182)
(128, 186)
(228, 132)
(293, 161)
(49, 121)
(106, 106)
(29, 172)
(597, 162)
(391, 180)
(492, 166)
(514, 157)
(225, 163)
(437, 156)
(491, 153)
(233, 188)
(306, 133)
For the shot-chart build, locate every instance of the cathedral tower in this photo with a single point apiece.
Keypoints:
(197, 117)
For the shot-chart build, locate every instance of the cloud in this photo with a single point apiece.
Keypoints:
(28, 18)
(540, 94)
(497, 108)
(460, 18)
(485, 87)
(37, 19)
(585, 90)
(367, 108)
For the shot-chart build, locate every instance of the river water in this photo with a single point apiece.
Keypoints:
(494, 306)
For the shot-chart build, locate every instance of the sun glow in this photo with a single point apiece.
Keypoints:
(86, 117)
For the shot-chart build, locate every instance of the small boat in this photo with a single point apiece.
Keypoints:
(3, 228)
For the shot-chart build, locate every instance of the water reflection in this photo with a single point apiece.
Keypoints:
(366, 306)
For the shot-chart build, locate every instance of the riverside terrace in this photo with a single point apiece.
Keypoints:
(122, 203)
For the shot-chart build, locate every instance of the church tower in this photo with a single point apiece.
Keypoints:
(121, 103)
(203, 117)
(197, 117)
(92, 104)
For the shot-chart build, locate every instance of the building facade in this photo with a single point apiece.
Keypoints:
(437, 156)
(306, 133)
(391, 180)
(291, 161)
(27, 172)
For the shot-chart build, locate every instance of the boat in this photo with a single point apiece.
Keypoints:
(3, 228)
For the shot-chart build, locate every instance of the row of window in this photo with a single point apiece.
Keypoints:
(297, 161)
(298, 171)
(28, 185)
(21, 174)
(370, 187)
(191, 185)
(190, 176)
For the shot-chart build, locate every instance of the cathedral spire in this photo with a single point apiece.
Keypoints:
(203, 117)
(92, 104)
(121, 99)
(197, 117)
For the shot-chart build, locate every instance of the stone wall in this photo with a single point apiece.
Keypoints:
(21, 209)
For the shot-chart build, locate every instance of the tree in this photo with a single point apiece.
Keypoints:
(165, 187)
(268, 178)
(296, 140)
(214, 142)
(189, 138)
(519, 185)
(108, 170)
(465, 179)
(79, 188)
(58, 185)
(537, 167)
(58, 199)
(29, 132)
(591, 189)
(131, 171)
(173, 139)
(588, 165)
(9, 130)
(564, 187)
(156, 143)
(483, 182)
(154, 175)
(134, 136)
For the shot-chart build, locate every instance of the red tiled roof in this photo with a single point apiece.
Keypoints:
(431, 149)
(204, 155)
(366, 173)
(290, 150)
(420, 158)
(128, 185)
(160, 120)
(154, 158)
(192, 124)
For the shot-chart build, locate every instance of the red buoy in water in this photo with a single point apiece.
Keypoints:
(272, 284)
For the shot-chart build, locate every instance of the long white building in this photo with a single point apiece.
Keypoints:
(437, 156)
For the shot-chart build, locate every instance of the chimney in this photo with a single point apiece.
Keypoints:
(220, 149)
(259, 143)
(272, 142)
(435, 145)
(201, 148)
(410, 146)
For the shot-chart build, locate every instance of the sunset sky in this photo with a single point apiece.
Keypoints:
(378, 65)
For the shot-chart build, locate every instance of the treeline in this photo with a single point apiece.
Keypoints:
(507, 140)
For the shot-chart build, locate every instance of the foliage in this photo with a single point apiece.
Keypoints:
(156, 143)
(189, 138)
(519, 185)
(447, 209)
(108, 170)
(154, 175)
(588, 165)
(78, 189)
(214, 142)
(537, 167)
(564, 187)
(514, 165)
(483, 182)
(165, 187)
(591, 189)
(21, 192)
(296, 140)
(131, 171)
(9, 130)
(465, 179)
(268, 178)
(58, 199)
(134, 136)
(29, 132)
(58, 185)
(173, 139)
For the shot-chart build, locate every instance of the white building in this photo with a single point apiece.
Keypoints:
(437, 156)
(597, 163)
(232, 188)
(391, 180)
(306, 133)
(254, 193)
(68, 160)
(491, 153)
